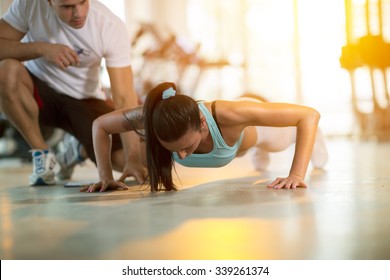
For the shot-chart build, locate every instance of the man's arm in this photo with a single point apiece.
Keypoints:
(122, 87)
(11, 47)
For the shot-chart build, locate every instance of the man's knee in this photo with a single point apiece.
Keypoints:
(13, 74)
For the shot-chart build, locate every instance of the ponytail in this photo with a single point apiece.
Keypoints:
(167, 116)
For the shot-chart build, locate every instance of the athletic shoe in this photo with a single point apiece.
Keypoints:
(43, 168)
(70, 153)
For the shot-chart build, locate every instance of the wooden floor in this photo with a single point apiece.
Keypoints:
(225, 213)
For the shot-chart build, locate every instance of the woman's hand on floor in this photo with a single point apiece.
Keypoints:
(291, 182)
(102, 186)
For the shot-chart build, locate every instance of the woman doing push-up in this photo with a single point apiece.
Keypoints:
(176, 128)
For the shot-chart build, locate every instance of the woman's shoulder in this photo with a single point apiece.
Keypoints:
(219, 103)
(223, 109)
(222, 105)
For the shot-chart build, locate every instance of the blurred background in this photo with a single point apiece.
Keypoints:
(332, 55)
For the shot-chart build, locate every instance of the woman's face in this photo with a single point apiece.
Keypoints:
(186, 145)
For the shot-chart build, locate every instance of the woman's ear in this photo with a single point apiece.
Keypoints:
(203, 123)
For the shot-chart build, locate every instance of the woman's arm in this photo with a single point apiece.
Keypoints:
(305, 119)
(112, 123)
(306, 134)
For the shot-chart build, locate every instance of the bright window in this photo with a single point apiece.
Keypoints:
(290, 53)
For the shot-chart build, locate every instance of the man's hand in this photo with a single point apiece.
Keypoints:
(61, 55)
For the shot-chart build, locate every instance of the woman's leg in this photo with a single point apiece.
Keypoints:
(276, 139)
(319, 156)
(271, 139)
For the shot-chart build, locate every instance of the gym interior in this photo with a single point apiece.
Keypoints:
(333, 56)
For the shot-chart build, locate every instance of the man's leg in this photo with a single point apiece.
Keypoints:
(17, 102)
(79, 116)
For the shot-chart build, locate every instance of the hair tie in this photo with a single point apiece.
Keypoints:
(168, 93)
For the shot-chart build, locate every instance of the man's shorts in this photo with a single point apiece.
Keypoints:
(72, 115)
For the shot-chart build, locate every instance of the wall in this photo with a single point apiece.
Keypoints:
(4, 4)
(169, 14)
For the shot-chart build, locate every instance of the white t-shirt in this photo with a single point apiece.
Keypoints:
(104, 35)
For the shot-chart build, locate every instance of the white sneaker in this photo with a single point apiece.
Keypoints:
(319, 156)
(70, 153)
(43, 168)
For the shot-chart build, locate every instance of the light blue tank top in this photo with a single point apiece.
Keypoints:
(221, 155)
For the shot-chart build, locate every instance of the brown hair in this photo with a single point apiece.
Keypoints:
(166, 119)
